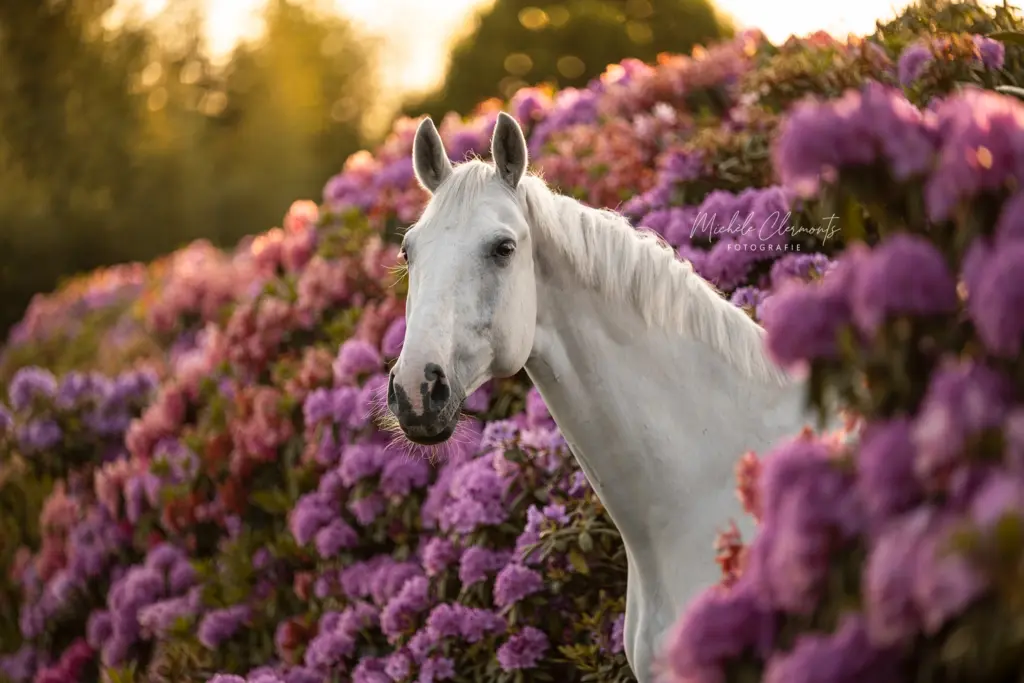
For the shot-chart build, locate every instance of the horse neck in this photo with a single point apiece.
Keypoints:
(653, 417)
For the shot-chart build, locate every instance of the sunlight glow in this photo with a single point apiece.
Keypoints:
(417, 34)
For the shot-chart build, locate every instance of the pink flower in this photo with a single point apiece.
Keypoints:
(322, 285)
(258, 428)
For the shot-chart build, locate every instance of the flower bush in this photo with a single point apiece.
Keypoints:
(195, 486)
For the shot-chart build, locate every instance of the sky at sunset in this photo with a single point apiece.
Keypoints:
(417, 32)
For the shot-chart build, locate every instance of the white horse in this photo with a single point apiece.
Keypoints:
(657, 382)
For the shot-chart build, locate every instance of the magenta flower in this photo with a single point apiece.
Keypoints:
(514, 583)
(523, 650)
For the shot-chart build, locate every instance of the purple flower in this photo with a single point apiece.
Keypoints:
(6, 421)
(912, 580)
(536, 410)
(389, 577)
(498, 434)
(476, 498)
(360, 461)
(477, 623)
(578, 485)
(479, 400)
(1009, 227)
(472, 624)
(29, 383)
(355, 357)
(21, 665)
(39, 435)
(514, 583)
(962, 401)
(182, 576)
(748, 297)
(394, 338)
(328, 648)
(718, 626)
(436, 669)
(311, 513)
(617, 637)
(809, 507)
(398, 615)
(803, 322)
(421, 644)
(800, 267)
(877, 124)
(227, 678)
(556, 513)
(157, 619)
(845, 656)
(445, 621)
(523, 650)
(180, 461)
(400, 476)
(299, 674)
(1000, 496)
(318, 406)
(218, 626)
(913, 61)
(370, 670)
(477, 563)
(346, 409)
(993, 52)
(973, 122)
(996, 303)
(905, 275)
(367, 508)
(571, 106)
(334, 538)
(140, 586)
(398, 665)
(886, 480)
(79, 387)
(438, 554)
(163, 556)
(99, 628)
(528, 105)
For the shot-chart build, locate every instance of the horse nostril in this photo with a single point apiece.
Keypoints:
(440, 391)
(392, 396)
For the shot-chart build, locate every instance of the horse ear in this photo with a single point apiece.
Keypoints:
(429, 160)
(508, 147)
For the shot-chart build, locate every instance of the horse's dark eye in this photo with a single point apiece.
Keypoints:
(504, 249)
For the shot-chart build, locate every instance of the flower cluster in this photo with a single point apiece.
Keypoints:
(874, 554)
(227, 496)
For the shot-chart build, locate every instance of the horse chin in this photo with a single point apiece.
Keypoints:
(423, 438)
(435, 440)
(440, 437)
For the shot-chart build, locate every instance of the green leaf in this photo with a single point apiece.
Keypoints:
(271, 501)
(1008, 37)
(1009, 536)
(586, 542)
(579, 562)
(853, 221)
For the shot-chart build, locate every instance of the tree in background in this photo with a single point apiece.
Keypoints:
(123, 144)
(525, 42)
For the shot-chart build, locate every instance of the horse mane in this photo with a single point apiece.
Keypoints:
(626, 264)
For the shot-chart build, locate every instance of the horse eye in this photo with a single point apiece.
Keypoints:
(505, 249)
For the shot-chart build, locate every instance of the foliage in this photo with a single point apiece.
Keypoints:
(119, 144)
(220, 503)
(515, 43)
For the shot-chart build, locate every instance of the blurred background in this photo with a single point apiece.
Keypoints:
(129, 128)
